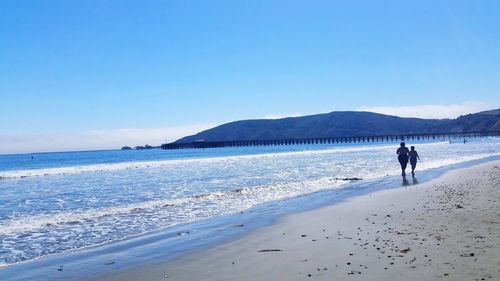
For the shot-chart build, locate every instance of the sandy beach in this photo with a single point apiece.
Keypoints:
(446, 229)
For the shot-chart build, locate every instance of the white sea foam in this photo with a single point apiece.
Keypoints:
(34, 222)
(259, 194)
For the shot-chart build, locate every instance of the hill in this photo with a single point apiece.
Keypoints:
(345, 123)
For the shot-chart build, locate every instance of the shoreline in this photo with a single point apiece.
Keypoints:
(443, 229)
(165, 245)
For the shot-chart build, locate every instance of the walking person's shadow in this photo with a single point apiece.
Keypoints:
(414, 179)
(405, 181)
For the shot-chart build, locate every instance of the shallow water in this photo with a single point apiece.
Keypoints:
(57, 202)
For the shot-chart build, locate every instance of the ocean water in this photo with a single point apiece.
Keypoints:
(52, 203)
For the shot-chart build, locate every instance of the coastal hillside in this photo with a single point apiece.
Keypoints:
(483, 121)
(345, 123)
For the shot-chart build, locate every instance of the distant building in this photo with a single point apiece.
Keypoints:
(146, 146)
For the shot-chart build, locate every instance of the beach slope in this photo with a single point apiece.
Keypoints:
(446, 229)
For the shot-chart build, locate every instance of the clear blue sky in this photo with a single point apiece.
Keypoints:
(74, 66)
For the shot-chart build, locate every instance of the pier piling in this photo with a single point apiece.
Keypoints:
(330, 140)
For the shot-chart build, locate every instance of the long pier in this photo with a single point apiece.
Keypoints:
(329, 140)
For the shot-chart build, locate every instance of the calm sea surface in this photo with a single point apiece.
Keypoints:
(55, 202)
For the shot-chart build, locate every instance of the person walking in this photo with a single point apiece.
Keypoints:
(403, 154)
(413, 159)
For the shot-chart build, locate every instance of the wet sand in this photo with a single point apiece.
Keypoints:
(446, 229)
